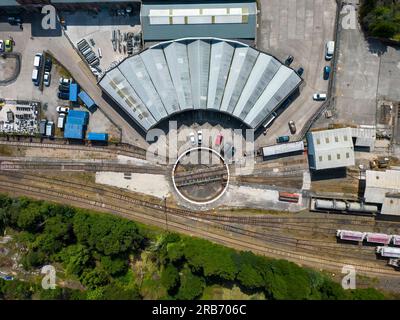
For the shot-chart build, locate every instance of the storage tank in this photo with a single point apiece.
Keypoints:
(340, 205)
(370, 208)
(324, 204)
(354, 206)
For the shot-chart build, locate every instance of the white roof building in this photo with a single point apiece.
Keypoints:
(330, 149)
(380, 184)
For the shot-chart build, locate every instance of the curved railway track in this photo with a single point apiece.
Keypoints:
(127, 206)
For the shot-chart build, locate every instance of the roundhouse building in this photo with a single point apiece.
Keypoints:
(207, 74)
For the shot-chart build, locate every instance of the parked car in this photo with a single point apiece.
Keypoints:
(289, 60)
(62, 109)
(47, 79)
(199, 137)
(300, 71)
(65, 80)
(61, 121)
(48, 64)
(329, 50)
(63, 95)
(192, 138)
(1, 46)
(319, 96)
(327, 72)
(64, 88)
(14, 20)
(292, 126)
(282, 139)
(37, 61)
(8, 45)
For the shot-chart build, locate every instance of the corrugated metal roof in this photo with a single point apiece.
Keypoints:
(283, 148)
(204, 73)
(97, 136)
(330, 148)
(73, 131)
(73, 92)
(172, 20)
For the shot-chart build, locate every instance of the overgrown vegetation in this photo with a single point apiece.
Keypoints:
(98, 250)
(381, 18)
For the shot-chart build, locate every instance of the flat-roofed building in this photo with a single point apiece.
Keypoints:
(391, 204)
(173, 19)
(380, 183)
(329, 149)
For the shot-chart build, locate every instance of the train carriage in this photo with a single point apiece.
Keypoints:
(388, 252)
(350, 235)
(378, 238)
(396, 240)
(289, 197)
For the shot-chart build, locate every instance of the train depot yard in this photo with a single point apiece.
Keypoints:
(227, 134)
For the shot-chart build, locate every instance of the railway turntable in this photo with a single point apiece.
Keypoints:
(200, 175)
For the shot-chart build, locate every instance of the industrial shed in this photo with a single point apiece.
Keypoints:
(383, 187)
(207, 74)
(169, 19)
(283, 149)
(329, 149)
(76, 124)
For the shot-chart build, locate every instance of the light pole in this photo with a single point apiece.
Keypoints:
(165, 212)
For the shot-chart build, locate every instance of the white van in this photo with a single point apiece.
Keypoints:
(35, 76)
(329, 50)
(60, 121)
(38, 60)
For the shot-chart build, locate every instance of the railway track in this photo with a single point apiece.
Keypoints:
(132, 151)
(32, 165)
(130, 209)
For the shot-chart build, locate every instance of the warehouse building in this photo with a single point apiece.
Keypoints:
(383, 187)
(330, 149)
(207, 74)
(174, 19)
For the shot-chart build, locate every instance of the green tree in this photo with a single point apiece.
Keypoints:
(76, 258)
(170, 277)
(191, 286)
(94, 278)
(114, 266)
(108, 235)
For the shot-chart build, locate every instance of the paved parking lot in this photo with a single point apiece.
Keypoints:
(99, 28)
(368, 71)
(300, 28)
(61, 48)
